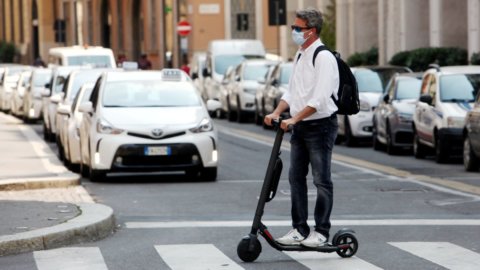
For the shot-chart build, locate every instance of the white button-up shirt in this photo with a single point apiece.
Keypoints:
(311, 85)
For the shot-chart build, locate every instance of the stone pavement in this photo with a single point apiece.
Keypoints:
(42, 204)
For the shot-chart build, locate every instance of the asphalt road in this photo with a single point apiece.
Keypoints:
(424, 220)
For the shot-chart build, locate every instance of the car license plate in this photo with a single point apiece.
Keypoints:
(158, 151)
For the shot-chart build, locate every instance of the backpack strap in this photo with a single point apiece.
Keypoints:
(317, 50)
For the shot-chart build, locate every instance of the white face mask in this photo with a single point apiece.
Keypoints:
(298, 37)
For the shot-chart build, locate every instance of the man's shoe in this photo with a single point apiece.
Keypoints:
(292, 238)
(314, 239)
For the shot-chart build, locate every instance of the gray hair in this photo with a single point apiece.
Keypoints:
(313, 18)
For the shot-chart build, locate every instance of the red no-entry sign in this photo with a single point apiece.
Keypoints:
(184, 28)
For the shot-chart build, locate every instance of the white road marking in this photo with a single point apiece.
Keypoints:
(70, 259)
(444, 254)
(286, 223)
(318, 261)
(195, 257)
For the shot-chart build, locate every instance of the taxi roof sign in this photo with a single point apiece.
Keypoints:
(171, 75)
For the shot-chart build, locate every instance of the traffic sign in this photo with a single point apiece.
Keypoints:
(184, 28)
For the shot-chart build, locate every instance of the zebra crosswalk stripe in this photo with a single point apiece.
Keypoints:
(445, 254)
(89, 258)
(329, 261)
(195, 257)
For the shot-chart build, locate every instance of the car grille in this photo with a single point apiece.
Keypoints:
(156, 138)
(132, 157)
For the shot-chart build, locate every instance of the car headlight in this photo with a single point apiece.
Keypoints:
(364, 106)
(455, 122)
(204, 126)
(404, 118)
(105, 127)
(250, 91)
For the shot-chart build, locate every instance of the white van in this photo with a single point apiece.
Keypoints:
(94, 56)
(222, 54)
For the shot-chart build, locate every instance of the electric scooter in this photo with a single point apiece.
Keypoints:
(344, 242)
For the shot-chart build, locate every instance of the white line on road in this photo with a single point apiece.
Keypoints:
(318, 261)
(286, 223)
(445, 254)
(195, 257)
(70, 259)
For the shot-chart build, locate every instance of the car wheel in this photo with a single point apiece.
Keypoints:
(97, 175)
(440, 151)
(46, 136)
(418, 148)
(470, 160)
(349, 139)
(231, 116)
(241, 115)
(209, 174)
(391, 149)
(258, 118)
(84, 170)
(377, 146)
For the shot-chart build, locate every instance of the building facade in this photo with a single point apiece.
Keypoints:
(398, 25)
(134, 27)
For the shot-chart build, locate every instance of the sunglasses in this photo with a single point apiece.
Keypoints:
(299, 28)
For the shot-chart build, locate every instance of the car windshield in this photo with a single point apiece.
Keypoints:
(93, 60)
(368, 81)
(408, 89)
(80, 79)
(285, 74)
(222, 62)
(149, 94)
(459, 87)
(40, 79)
(254, 72)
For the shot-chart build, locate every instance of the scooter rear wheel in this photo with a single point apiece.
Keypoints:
(245, 253)
(349, 241)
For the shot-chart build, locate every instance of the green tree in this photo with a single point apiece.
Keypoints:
(328, 30)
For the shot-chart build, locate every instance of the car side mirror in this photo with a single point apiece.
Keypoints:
(56, 98)
(194, 75)
(86, 107)
(426, 99)
(47, 85)
(205, 72)
(386, 98)
(46, 92)
(63, 110)
(213, 105)
(275, 82)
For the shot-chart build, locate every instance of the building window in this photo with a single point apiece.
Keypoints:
(90, 21)
(120, 25)
(153, 26)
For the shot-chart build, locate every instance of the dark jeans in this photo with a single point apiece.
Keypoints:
(312, 143)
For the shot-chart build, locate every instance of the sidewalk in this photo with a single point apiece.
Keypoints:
(42, 204)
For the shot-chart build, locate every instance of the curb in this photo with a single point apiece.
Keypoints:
(96, 221)
(59, 181)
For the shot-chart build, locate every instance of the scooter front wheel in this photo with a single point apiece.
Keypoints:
(249, 249)
(347, 243)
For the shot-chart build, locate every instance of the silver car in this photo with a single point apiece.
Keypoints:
(392, 118)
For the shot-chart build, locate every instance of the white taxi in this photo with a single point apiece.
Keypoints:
(148, 121)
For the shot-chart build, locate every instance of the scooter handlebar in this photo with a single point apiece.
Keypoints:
(276, 123)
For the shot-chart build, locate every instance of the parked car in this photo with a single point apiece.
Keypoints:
(144, 121)
(271, 89)
(70, 89)
(447, 95)
(50, 98)
(471, 138)
(8, 80)
(32, 109)
(227, 82)
(387, 72)
(241, 92)
(72, 126)
(351, 128)
(222, 54)
(18, 92)
(198, 64)
(392, 118)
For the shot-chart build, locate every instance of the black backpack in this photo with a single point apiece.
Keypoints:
(348, 102)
